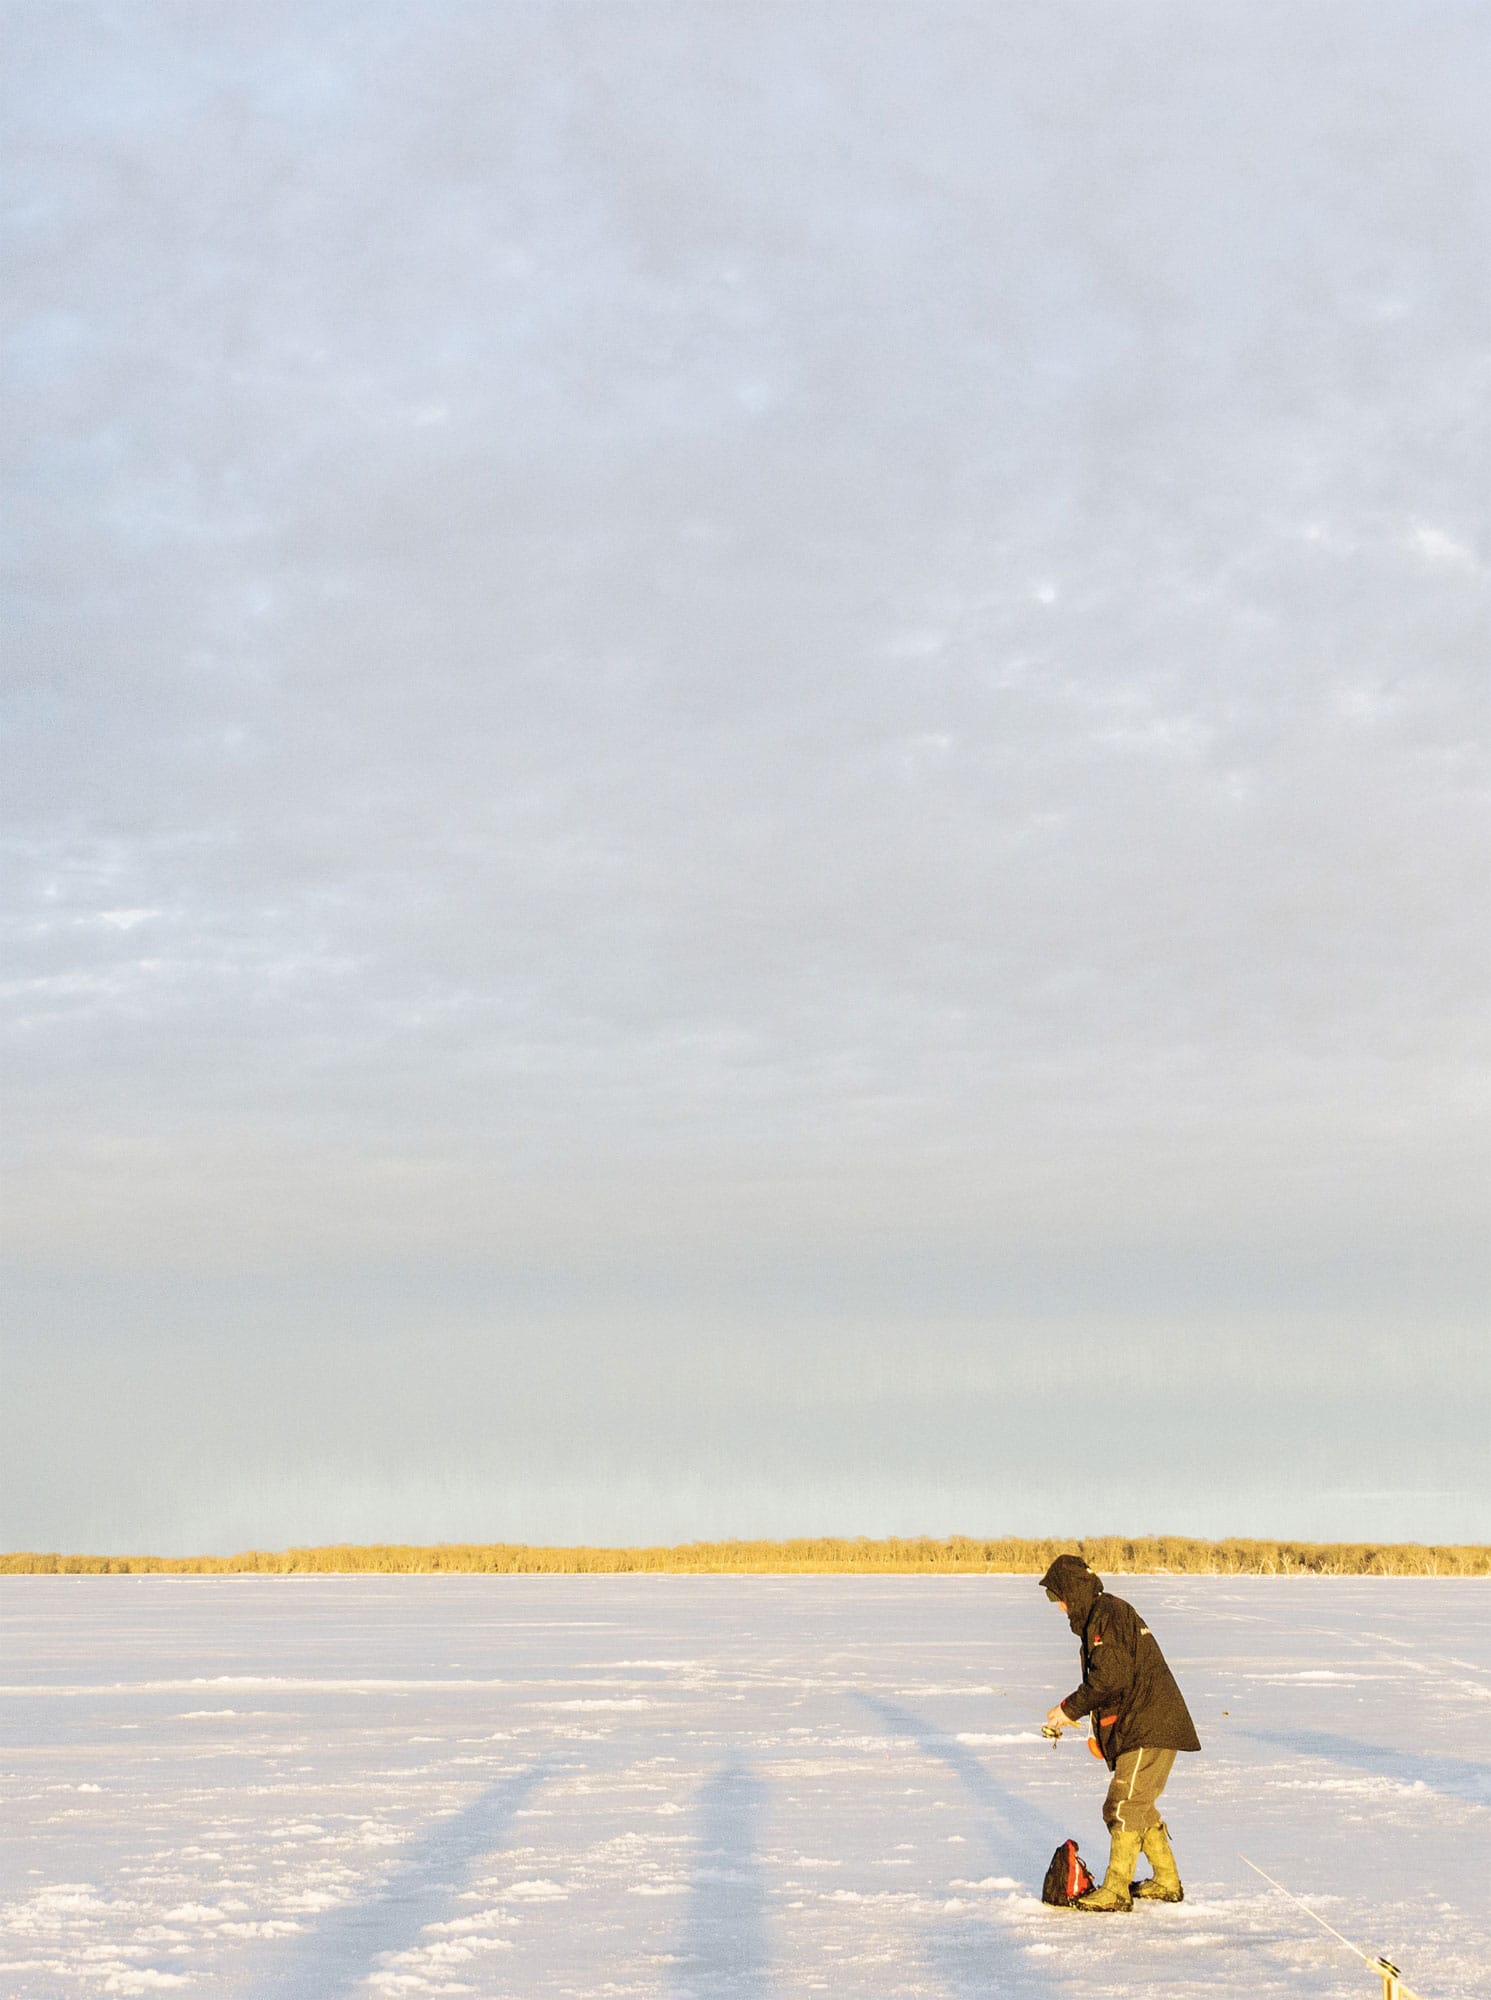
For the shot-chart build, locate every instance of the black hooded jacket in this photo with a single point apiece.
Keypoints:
(1126, 1688)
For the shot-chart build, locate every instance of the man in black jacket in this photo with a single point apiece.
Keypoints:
(1139, 1722)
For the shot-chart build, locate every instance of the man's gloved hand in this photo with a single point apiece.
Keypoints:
(1058, 1719)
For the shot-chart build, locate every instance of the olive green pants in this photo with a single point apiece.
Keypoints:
(1138, 1779)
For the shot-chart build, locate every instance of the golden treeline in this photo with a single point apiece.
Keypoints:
(958, 1555)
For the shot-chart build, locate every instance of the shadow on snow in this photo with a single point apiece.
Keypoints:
(344, 1948)
(1018, 1836)
(723, 1950)
(986, 1960)
(1454, 1777)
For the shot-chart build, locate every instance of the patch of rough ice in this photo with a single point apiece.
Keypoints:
(617, 1702)
(451, 1951)
(250, 1683)
(414, 1982)
(463, 1926)
(871, 1896)
(1275, 1678)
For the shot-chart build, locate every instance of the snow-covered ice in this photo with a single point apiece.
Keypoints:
(768, 1787)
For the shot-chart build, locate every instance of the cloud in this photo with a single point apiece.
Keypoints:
(734, 649)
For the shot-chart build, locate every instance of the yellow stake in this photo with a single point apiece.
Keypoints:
(1392, 1987)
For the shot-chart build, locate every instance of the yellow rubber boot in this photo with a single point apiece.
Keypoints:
(1164, 1885)
(1112, 1893)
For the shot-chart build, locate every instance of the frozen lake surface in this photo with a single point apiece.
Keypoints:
(701, 1786)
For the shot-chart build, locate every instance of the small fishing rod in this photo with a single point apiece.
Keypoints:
(1054, 1736)
(1392, 1984)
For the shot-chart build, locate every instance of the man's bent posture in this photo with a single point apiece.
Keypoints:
(1139, 1722)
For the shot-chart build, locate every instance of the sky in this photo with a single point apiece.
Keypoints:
(745, 770)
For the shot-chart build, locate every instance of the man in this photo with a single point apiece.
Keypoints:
(1139, 1722)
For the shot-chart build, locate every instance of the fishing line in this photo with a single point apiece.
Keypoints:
(1392, 1986)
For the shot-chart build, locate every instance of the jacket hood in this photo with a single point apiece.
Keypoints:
(1078, 1587)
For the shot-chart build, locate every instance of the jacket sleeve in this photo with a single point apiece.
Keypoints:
(1110, 1672)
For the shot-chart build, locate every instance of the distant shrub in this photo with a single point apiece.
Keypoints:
(966, 1555)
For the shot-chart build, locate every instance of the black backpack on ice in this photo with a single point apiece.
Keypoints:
(1067, 1878)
